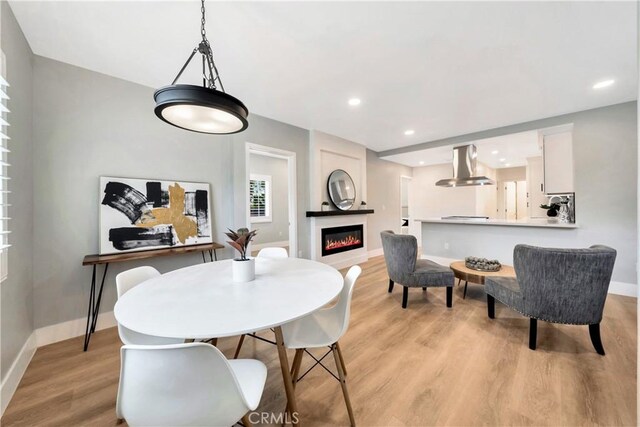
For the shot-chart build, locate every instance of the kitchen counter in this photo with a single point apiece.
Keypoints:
(527, 222)
(455, 239)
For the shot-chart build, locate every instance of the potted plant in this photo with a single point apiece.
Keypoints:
(363, 205)
(325, 206)
(244, 268)
(552, 209)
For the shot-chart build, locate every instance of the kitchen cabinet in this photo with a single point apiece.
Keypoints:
(535, 187)
(558, 163)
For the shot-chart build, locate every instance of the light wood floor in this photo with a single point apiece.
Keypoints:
(426, 365)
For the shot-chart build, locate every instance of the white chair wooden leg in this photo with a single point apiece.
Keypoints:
(246, 421)
(239, 346)
(343, 384)
(344, 367)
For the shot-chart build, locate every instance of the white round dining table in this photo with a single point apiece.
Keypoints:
(203, 301)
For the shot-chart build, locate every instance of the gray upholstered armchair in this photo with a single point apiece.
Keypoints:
(556, 285)
(400, 255)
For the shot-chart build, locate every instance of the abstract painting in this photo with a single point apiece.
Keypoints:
(141, 214)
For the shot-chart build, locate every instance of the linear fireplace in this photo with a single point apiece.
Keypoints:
(342, 239)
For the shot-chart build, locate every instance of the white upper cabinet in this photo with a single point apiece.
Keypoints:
(558, 163)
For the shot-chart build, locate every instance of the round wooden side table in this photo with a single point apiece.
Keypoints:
(462, 272)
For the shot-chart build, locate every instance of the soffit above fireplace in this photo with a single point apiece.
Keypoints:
(339, 213)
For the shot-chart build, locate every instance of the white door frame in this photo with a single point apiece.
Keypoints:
(408, 179)
(290, 157)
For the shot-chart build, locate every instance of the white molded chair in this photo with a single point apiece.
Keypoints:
(126, 281)
(186, 385)
(264, 253)
(324, 328)
(273, 253)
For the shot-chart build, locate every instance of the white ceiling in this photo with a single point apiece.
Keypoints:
(440, 68)
(514, 149)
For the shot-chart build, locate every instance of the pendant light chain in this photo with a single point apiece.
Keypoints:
(205, 50)
(203, 31)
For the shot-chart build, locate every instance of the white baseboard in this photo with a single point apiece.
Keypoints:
(621, 288)
(439, 259)
(616, 288)
(376, 252)
(282, 244)
(70, 329)
(12, 379)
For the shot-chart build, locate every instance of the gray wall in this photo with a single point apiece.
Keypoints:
(88, 124)
(383, 195)
(605, 166)
(277, 230)
(16, 291)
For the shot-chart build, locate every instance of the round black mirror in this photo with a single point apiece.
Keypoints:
(342, 191)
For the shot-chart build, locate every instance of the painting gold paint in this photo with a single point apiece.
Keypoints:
(184, 226)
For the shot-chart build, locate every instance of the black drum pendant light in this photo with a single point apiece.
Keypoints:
(203, 108)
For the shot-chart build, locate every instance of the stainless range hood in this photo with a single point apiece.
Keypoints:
(464, 169)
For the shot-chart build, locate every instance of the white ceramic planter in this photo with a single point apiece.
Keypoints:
(244, 271)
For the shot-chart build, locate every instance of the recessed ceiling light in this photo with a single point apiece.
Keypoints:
(421, 162)
(354, 101)
(507, 164)
(603, 84)
(503, 159)
(495, 152)
(409, 132)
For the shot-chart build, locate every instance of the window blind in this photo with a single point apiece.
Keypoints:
(258, 198)
(4, 173)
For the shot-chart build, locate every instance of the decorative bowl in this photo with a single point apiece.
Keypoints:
(482, 264)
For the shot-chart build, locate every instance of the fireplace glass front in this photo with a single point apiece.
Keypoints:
(342, 239)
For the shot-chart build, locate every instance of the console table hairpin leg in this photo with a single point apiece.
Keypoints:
(95, 295)
(212, 254)
(94, 305)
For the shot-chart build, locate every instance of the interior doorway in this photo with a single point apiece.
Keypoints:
(512, 200)
(271, 203)
(405, 220)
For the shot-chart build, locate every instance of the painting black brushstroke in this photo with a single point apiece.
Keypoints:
(202, 213)
(125, 199)
(154, 194)
(126, 238)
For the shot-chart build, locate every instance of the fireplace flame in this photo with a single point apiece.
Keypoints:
(347, 241)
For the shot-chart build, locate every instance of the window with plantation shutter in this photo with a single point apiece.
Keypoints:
(260, 198)
(4, 171)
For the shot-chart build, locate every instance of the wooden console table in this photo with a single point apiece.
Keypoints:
(95, 260)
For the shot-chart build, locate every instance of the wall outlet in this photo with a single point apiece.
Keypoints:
(446, 246)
